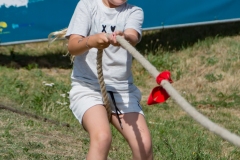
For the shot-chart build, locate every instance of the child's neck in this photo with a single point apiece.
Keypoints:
(108, 4)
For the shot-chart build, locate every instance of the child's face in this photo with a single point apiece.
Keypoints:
(114, 3)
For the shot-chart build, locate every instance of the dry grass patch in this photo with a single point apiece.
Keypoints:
(40, 138)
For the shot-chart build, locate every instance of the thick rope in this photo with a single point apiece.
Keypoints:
(204, 121)
(102, 84)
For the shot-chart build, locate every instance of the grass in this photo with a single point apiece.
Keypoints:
(204, 64)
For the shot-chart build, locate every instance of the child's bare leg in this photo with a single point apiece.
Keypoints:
(96, 123)
(137, 134)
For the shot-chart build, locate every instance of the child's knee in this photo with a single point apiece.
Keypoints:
(103, 138)
(147, 144)
(146, 147)
(143, 149)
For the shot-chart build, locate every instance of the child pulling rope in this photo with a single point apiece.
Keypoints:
(87, 38)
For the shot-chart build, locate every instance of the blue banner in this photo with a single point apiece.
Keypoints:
(23, 21)
(179, 13)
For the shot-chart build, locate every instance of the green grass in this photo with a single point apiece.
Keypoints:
(204, 63)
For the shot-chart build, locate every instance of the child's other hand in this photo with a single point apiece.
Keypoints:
(112, 37)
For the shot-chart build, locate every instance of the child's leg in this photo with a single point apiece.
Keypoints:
(96, 123)
(136, 133)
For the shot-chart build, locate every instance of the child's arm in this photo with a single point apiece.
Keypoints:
(78, 44)
(132, 36)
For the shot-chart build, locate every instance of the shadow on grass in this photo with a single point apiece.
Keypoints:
(169, 40)
(29, 62)
(178, 38)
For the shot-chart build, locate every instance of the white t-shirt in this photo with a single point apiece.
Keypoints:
(91, 17)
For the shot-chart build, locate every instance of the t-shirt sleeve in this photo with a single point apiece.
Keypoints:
(135, 20)
(81, 20)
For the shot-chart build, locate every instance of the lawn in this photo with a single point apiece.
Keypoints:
(204, 61)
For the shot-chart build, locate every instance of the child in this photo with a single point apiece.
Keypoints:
(91, 24)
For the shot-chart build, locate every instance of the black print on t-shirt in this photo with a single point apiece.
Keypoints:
(113, 28)
(104, 28)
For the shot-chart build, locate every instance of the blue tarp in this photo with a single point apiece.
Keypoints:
(32, 20)
(178, 13)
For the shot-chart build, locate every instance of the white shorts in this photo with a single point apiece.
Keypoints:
(83, 97)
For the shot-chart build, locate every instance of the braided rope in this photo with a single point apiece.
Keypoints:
(204, 121)
(102, 84)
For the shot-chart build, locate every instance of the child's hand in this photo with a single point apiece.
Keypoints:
(99, 41)
(112, 37)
